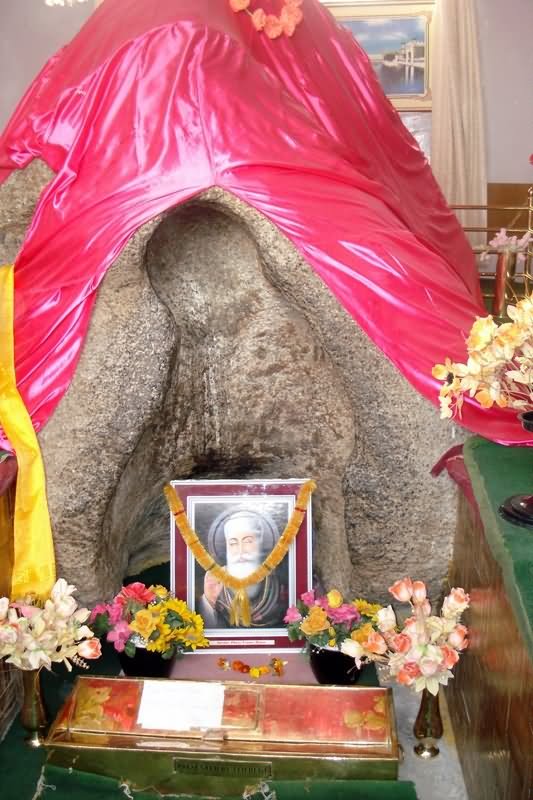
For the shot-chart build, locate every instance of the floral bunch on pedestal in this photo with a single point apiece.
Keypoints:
(35, 634)
(273, 26)
(503, 243)
(422, 652)
(328, 620)
(149, 617)
(499, 369)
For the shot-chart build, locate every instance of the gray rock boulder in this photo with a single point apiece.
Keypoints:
(215, 351)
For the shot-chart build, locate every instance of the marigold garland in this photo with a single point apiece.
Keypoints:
(290, 17)
(240, 611)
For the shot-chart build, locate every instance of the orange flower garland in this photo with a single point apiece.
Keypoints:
(275, 667)
(290, 17)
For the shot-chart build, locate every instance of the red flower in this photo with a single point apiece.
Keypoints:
(135, 591)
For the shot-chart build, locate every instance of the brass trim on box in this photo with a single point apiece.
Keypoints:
(291, 732)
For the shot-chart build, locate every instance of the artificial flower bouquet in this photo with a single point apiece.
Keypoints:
(503, 243)
(149, 617)
(499, 368)
(327, 620)
(422, 652)
(34, 634)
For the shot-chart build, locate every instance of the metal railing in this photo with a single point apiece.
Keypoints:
(511, 279)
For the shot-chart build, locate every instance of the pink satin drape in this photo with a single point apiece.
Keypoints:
(154, 102)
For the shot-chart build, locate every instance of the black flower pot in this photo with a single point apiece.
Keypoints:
(518, 509)
(333, 667)
(145, 664)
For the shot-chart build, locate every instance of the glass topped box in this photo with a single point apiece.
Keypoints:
(202, 736)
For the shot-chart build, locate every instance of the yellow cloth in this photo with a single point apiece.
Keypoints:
(33, 568)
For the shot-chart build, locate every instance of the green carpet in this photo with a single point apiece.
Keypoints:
(498, 472)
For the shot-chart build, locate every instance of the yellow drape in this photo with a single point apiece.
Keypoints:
(33, 568)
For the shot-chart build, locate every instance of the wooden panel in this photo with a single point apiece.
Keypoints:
(491, 696)
(506, 194)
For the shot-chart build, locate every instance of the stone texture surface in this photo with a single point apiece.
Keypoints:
(215, 351)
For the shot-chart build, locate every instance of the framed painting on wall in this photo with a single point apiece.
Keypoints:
(397, 37)
(239, 523)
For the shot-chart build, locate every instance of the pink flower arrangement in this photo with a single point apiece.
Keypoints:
(149, 617)
(327, 620)
(424, 651)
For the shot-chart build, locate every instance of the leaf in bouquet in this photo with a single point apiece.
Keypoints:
(100, 625)
(174, 620)
(294, 633)
(129, 648)
(321, 639)
(167, 654)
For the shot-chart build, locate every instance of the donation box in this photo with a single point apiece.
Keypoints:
(222, 736)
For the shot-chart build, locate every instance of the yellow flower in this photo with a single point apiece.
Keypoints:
(254, 672)
(481, 334)
(315, 622)
(361, 634)
(442, 371)
(143, 623)
(366, 608)
(159, 590)
(334, 598)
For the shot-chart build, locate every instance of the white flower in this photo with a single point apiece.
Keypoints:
(386, 619)
(353, 649)
(49, 634)
(61, 589)
(84, 633)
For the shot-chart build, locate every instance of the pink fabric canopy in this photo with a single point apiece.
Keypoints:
(154, 102)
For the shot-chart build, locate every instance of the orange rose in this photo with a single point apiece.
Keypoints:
(375, 644)
(450, 656)
(457, 637)
(402, 590)
(419, 591)
(315, 622)
(401, 643)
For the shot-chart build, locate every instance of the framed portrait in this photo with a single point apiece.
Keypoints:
(239, 523)
(397, 37)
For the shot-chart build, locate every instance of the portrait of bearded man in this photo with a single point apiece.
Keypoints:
(240, 538)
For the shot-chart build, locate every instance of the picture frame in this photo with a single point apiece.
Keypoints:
(221, 511)
(398, 38)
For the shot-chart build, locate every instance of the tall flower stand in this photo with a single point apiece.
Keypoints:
(33, 714)
(428, 725)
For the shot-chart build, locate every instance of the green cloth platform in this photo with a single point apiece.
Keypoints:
(497, 472)
(60, 784)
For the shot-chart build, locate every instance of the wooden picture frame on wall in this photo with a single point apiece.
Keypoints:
(397, 37)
